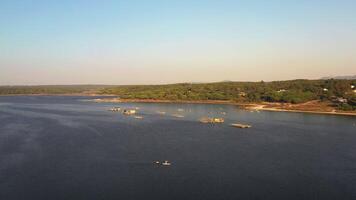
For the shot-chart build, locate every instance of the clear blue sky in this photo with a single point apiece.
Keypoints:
(166, 41)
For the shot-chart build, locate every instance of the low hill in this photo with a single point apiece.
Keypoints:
(341, 77)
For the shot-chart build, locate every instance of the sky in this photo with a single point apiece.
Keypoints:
(170, 41)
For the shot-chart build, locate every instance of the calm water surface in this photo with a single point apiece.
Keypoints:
(66, 148)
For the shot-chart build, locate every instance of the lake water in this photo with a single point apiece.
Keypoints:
(66, 148)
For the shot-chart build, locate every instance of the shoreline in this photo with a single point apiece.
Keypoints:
(264, 106)
(69, 94)
(307, 111)
(277, 107)
(118, 100)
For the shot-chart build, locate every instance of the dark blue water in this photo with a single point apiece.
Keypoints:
(66, 148)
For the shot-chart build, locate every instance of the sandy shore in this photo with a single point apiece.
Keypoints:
(263, 107)
(118, 100)
(312, 107)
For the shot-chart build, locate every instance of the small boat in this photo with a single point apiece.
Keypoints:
(129, 112)
(138, 117)
(241, 125)
(177, 115)
(212, 120)
(115, 109)
(180, 109)
(166, 163)
(161, 112)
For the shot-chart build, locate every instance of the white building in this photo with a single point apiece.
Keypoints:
(341, 100)
(242, 94)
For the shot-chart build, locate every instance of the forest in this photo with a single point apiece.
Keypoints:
(49, 89)
(293, 91)
(340, 92)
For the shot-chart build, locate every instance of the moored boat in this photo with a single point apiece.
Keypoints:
(166, 163)
(115, 109)
(129, 112)
(161, 112)
(177, 115)
(212, 120)
(241, 125)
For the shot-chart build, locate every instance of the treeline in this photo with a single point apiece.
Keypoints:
(48, 89)
(293, 91)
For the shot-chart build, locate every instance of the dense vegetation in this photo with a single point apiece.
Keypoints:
(48, 89)
(294, 91)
